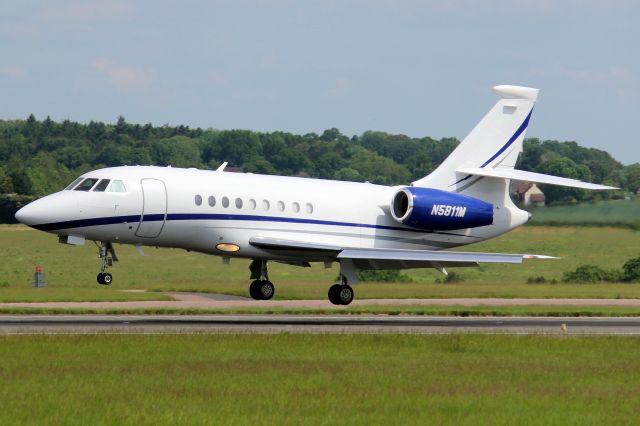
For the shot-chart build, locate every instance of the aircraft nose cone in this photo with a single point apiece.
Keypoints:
(27, 214)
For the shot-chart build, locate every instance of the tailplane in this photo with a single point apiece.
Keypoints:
(484, 162)
(495, 142)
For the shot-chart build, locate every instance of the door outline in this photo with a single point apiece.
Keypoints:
(145, 194)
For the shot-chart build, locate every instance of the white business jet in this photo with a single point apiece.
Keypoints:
(298, 220)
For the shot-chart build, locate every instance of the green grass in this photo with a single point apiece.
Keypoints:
(71, 294)
(611, 211)
(71, 267)
(319, 379)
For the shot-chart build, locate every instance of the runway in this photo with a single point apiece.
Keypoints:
(152, 324)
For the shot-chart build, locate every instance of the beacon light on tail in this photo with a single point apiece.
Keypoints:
(433, 209)
(298, 221)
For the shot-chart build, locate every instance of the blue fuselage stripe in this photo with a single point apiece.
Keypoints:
(82, 223)
(513, 138)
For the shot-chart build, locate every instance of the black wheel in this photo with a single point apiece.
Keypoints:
(333, 294)
(345, 295)
(266, 290)
(107, 278)
(100, 278)
(254, 290)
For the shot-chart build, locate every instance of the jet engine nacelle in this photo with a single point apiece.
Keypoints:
(433, 209)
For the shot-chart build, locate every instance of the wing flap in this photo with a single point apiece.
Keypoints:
(291, 245)
(525, 176)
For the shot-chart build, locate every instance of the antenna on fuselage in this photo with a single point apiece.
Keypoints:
(222, 167)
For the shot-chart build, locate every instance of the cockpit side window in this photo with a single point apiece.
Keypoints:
(102, 185)
(116, 186)
(86, 184)
(72, 184)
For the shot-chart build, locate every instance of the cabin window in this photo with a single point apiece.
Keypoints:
(116, 186)
(266, 205)
(252, 204)
(86, 184)
(212, 200)
(281, 206)
(238, 203)
(102, 185)
(72, 184)
(198, 200)
(225, 202)
(309, 208)
(296, 207)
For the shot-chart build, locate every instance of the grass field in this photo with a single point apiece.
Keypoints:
(611, 211)
(69, 269)
(318, 379)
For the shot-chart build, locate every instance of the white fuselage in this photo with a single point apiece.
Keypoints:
(159, 208)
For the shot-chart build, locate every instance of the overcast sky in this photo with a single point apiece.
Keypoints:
(420, 68)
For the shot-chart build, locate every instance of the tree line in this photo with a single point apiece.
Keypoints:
(38, 157)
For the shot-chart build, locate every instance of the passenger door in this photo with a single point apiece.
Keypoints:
(154, 208)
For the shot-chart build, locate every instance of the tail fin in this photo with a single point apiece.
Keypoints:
(495, 142)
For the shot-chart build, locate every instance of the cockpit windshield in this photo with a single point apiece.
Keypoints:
(98, 185)
(116, 186)
(72, 184)
(102, 185)
(86, 184)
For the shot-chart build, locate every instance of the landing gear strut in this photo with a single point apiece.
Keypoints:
(107, 257)
(261, 288)
(341, 293)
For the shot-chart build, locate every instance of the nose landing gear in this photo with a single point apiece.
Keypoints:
(107, 256)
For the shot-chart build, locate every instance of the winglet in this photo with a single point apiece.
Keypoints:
(538, 256)
(222, 167)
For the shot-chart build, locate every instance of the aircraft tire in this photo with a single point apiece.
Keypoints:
(345, 294)
(107, 278)
(254, 290)
(100, 278)
(267, 290)
(333, 294)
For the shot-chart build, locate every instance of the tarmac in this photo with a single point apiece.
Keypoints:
(325, 324)
(221, 301)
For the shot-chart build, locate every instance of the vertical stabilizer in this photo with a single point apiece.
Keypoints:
(495, 142)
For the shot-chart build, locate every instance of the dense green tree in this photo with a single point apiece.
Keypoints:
(632, 177)
(37, 157)
(177, 151)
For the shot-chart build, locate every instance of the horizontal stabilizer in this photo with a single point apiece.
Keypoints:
(521, 175)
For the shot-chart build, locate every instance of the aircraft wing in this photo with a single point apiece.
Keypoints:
(404, 259)
(372, 258)
(524, 176)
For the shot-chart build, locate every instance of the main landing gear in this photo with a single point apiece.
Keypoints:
(107, 257)
(261, 288)
(341, 293)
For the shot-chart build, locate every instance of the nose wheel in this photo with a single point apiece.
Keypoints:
(107, 256)
(104, 278)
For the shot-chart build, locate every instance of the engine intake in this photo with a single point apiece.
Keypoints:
(433, 209)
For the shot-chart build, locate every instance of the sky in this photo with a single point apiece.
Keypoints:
(419, 68)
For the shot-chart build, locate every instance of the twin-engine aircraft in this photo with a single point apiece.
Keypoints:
(298, 220)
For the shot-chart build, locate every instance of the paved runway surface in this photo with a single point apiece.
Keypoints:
(61, 324)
